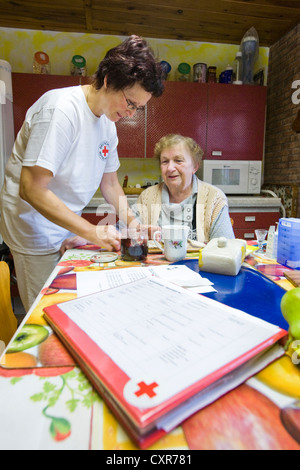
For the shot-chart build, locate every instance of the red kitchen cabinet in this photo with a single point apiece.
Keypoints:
(132, 135)
(28, 87)
(235, 122)
(100, 219)
(181, 109)
(227, 119)
(245, 223)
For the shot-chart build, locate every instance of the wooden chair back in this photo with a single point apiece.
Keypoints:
(8, 321)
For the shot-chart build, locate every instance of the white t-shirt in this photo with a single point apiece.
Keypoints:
(60, 133)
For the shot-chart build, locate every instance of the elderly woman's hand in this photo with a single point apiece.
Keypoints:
(151, 230)
(136, 230)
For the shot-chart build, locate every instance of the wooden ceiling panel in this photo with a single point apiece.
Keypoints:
(224, 21)
(43, 15)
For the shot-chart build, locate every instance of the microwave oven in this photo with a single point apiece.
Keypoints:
(233, 176)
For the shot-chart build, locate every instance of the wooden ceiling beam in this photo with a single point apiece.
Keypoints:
(88, 15)
(249, 8)
(223, 21)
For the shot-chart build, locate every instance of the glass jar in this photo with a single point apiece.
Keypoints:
(166, 67)
(226, 75)
(41, 62)
(183, 72)
(78, 66)
(200, 72)
(212, 74)
(238, 64)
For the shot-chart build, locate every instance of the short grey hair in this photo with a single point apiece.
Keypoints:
(169, 140)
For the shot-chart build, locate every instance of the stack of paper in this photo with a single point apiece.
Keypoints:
(96, 281)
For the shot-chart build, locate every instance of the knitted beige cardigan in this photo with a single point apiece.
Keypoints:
(210, 201)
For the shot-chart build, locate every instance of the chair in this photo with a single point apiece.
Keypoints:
(8, 321)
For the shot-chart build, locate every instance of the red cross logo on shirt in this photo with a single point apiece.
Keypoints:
(146, 389)
(104, 150)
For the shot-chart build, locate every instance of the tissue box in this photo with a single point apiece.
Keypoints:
(223, 256)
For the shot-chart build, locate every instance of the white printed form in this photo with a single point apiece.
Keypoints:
(95, 281)
(163, 336)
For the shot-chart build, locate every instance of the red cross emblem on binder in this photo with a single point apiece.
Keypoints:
(146, 389)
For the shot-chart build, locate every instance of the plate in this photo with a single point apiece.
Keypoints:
(105, 257)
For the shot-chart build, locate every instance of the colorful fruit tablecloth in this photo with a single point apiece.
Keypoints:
(46, 402)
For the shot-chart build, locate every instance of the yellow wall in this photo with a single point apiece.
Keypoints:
(18, 47)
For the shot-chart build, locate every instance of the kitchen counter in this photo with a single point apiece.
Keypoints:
(236, 204)
(99, 204)
(246, 212)
(250, 203)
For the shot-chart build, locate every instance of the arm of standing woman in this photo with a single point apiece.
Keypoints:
(114, 195)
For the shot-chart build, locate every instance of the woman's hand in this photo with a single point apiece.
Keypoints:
(107, 236)
(139, 231)
(72, 242)
(146, 229)
(151, 230)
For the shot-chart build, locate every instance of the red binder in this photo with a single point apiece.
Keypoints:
(157, 353)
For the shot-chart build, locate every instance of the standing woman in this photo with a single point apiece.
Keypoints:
(65, 150)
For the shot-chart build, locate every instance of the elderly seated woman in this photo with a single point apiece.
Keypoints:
(182, 198)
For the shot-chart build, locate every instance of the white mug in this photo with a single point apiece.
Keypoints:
(174, 238)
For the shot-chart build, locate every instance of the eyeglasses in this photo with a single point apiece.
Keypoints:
(131, 105)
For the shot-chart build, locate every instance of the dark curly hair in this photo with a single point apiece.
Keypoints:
(130, 62)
